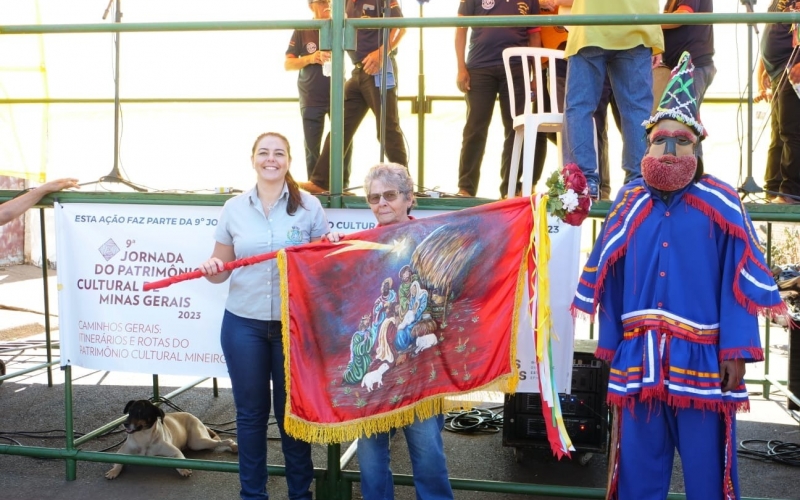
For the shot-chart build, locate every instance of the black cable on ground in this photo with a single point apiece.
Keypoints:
(165, 401)
(231, 431)
(113, 446)
(475, 420)
(12, 441)
(770, 451)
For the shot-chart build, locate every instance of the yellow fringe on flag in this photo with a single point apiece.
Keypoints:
(354, 429)
(284, 278)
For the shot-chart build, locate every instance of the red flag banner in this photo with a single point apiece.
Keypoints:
(379, 328)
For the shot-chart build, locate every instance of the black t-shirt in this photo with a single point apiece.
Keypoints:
(369, 40)
(776, 48)
(698, 40)
(486, 45)
(313, 86)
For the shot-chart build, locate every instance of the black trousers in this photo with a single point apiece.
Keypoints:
(783, 155)
(485, 85)
(772, 175)
(313, 128)
(360, 96)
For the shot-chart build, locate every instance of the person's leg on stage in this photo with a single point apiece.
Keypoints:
(313, 128)
(631, 75)
(586, 72)
(355, 109)
(480, 106)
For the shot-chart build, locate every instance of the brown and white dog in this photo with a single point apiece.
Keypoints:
(151, 432)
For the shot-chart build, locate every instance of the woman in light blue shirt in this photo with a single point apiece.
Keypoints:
(274, 214)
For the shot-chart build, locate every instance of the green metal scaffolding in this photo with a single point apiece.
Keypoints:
(338, 35)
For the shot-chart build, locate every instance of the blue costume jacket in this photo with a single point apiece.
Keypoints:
(679, 284)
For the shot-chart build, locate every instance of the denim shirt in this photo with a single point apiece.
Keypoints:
(255, 289)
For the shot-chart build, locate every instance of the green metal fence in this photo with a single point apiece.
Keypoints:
(338, 35)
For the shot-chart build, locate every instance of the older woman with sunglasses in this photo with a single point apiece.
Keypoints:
(390, 194)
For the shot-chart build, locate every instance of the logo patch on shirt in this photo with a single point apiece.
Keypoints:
(311, 47)
(294, 235)
(523, 8)
(487, 4)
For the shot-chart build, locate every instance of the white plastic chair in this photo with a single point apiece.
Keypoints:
(529, 123)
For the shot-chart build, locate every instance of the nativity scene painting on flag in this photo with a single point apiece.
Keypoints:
(386, 323)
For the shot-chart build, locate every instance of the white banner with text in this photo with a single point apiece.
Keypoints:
(107, 322)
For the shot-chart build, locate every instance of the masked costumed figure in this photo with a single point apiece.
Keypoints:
(679, 278)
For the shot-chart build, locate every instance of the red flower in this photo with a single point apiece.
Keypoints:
(574, 178)
(577, 216)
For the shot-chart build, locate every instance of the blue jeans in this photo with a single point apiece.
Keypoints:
(703, 76)
(254, 354)
(631, 78)
(428, 463)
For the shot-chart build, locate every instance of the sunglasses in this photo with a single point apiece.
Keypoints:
(390, 195)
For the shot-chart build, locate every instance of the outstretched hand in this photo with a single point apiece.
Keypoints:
(59, 184)
(17, 206)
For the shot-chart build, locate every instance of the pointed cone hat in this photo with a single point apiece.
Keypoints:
(679, 101)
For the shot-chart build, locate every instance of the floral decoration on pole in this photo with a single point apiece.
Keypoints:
(568, 195)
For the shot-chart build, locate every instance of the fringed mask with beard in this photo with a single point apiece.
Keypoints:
(677, 165)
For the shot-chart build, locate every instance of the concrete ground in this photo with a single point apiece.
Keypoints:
(32, 414)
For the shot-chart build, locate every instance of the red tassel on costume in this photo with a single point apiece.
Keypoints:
(580, 314)
(728, 490)
(628, 204)
(714, 215)
(622, 402)
(756, 353)
(604, 354)
(601, 273)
